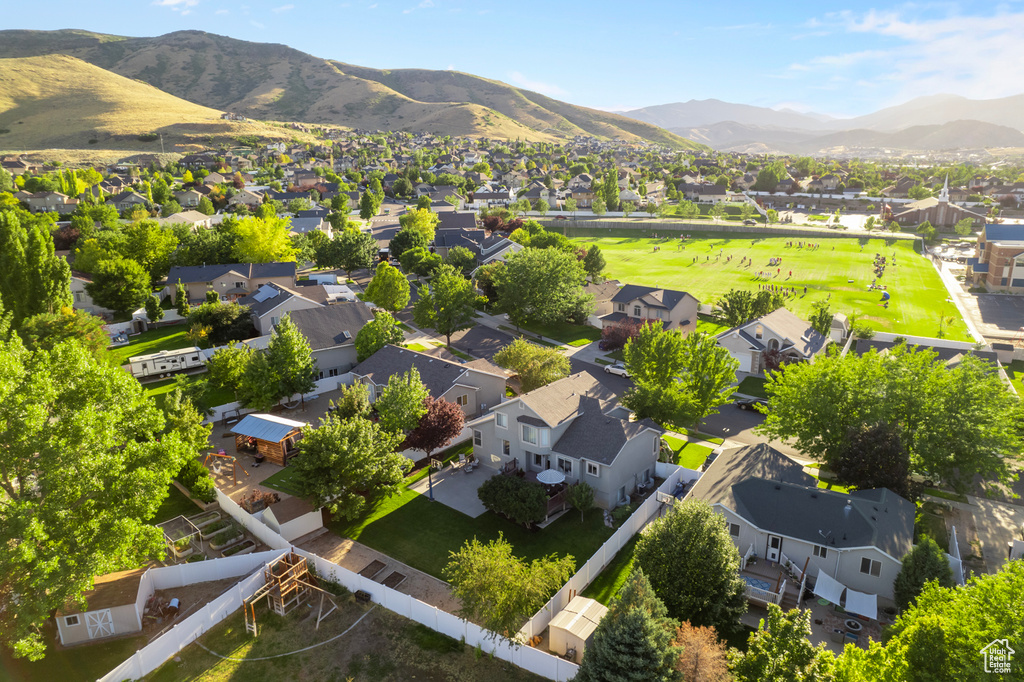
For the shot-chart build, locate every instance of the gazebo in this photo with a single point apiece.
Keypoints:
(272, 438)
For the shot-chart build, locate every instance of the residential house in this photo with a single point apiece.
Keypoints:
(188, 198)
(193, 219)
(455, 220)
(574, 425)
(80, 298)
(475, 386)
(999, 263)
(331, 332)
(603, 293)
(309, 224)
(230, 281)
(704, 192)
(271, 302)
(584, 197)
(246, 197)
(51, 202)
(777, 512)
(780, 331)
(126, 201)
(676, 310)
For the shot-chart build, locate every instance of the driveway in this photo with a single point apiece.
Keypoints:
(997, 523)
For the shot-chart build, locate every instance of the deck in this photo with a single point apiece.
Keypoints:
(772, 585)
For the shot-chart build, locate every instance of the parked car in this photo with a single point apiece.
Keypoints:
(618, 368)
(560, 217)
(748, 221)
(751, 404)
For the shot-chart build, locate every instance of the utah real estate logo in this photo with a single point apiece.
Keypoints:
(998, 655)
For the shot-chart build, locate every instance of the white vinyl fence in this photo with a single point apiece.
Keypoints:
(602, 557)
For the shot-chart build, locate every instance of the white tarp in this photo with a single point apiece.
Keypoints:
(828, 587)
(862, 604)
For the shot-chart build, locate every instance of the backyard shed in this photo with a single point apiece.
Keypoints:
(272, 438)
(572, 629)
(112, 608)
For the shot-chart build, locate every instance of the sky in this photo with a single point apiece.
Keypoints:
(615, 55)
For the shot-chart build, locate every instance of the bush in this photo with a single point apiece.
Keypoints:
(622, 513)
(196, 478)
(225, 536)
(519, 500)
(148, 137)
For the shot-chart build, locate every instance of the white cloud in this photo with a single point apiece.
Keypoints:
(222, 11)
(282, 8)
(537, 86)
(174, 4)
(424, 4)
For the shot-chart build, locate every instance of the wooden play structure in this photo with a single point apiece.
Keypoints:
(268, 437)
(289, 582)
(222, 460)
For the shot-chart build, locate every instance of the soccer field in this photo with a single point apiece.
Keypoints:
(838, 270)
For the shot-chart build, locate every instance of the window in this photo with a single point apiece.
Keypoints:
(70, 621)
(820, 551)
(758, 332)
(333, 372)
(870, 567)
(593, 469)
(478, 438)
(535, 436)
(239, 285)
(636, 311)
(462, 400)
(78, 297)
(734, 530)
(538, 459)
(501, 420)
(659, 313)
(274, 321)
(506, 447)
(565, 465)
(622, 494)
(621, 307)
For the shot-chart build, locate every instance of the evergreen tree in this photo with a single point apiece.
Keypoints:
(34, 279)
(925, 561)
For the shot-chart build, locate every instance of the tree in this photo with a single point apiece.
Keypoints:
(593, 262)
(543, 286)
(738, 306)
(704, 657)
(924, 562)
(406, 239)
(368, 206)
(347, 465)
(420, 261)
(424, 202)
(119, 284)
(447, 305)
(919, 191)
(226, 366)
(420, 220)
(617, 334)
(181, 299)
(226, 321)
(873, 456)
(149, 245)
(461, 258)
(291, 361)
(581, 496)
(769, 177)
(154, 311)
(542, 207)
(717, 211)
(570, 206)
(45, 330)
(35, 280)
(927, 232)
(206, 206)
(402, 402)
(633, 641)
(535, 365)
(186, 178)
(86, 462)
(692, 563)
(349, 250)
(610, 190)
(957, 422)
(170, 208)
(781, 650)
(772, 216)
(964, 227)
(353, 401)
(438, 427)
(821, 318)
(746, 210)
(263, 240)
(486, 278)
(708, 375)
(388, 289)
(382, 330)
(598, 207)
(627, 207)
(500, 590)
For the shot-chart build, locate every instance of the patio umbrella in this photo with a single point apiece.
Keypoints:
(550, 476)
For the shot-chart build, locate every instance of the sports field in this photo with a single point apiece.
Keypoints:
(838, 270)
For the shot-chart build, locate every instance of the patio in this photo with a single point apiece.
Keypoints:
(767, 582)
(455, 488)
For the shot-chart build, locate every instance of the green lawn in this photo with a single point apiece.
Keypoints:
(285, 480)
(76, 664)
(689, 455)
(518, 332)
(159, 390)
(918, 296)
(752, 386)
(570, 334)
(708, 326)
(153, 341)
(176, 504)
(928, 522)
(417, 347)
(609, 581)
(1016, 373)
(421, 533)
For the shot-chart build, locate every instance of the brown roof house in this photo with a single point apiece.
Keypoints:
(676, 310)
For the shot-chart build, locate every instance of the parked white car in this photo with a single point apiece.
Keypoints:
(618, 368)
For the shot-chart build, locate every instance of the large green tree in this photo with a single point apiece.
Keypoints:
(421, 220)
(34, 280)
(499, 589)
(781, 650)
(543, 286)
(85, 463)
(291, 361)
(402, 402)
(149, 245)
(119, 284)
(770, 176)
(692, 563)
(389, 288)
(46, 330)
(349, 464)
(405, 240)
(593, 262)
(447, 304)
(925, 561)
(349, 250)
(263, 240)
(377, 333)
(535, 365)
(634, 640)
(957, 422)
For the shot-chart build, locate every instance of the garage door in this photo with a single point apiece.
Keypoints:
(745, 360)
(100, 623)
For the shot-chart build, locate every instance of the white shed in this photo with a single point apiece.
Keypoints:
(573, 627)
(112, 608)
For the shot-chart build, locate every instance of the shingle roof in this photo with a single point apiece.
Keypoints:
(207, 273)
(653, 298)
(436, 374)
(561, 399)
(799, 333)
(455, 220)
(332, 325)
(597, 437)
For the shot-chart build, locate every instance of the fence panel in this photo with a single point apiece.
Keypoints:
(423, 613)
(450, 625)
(254, 526)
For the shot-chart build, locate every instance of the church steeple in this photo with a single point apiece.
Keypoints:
(944, 192)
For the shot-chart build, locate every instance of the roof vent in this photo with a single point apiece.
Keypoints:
(778, 487)
(847, 508)
(814, 496)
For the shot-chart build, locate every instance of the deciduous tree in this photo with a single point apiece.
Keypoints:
(119, 284)
(388, 289)
(924, 562)
(781, 650)
(421, 220)
(704, 657)
(405, 240)
(460, 258)
(263, 240)
(874, 457)
(402, 402)
(34, 280)
(581, 496)
(438, 427)
(535, 365)
(377, 333)
(543, 286)
(349, 250)
(821, 318)
(447, 304)
(45, 330)
(291, 361)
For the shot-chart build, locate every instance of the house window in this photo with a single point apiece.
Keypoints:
(462, 400)
(870, 567)
(506, 447)
(333, 372)
(239, 285)
(593, 469)
(758, 332)
(478, 438)
(78, 297)
(659, 313)
(820, 551)
(734, 530)
(501, 420)
(636, 311)
(538, 460)
(274, 321)
(565, 465)
(535, 436)
(70, 621)
(622, 494)
(622, 307)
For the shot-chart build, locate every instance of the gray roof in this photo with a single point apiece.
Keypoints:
(799, 334)
(560, 400)
(771, 491)
(266, 298)
(602, 291)
(455, 220)
(436, 374)
(332, 325)
(304, 225)
(651, 297)
(598, 437)
(207, 273)
(943, 354)
(266, 427)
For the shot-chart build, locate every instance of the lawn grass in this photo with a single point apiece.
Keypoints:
(176, 504)
(918, 295)
(84, 663)
(567, 333)
(158, 390)
(708, 326)
(518, 332)
(153, 341)
(421, 533)
(417, 347)
(459, 354)
(609, 581)
(753, 386)
(285, 481)
(928, 523)
(946, 495)
(687, 454)
(1015, 371)
(405, 328)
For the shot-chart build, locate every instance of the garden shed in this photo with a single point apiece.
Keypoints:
(573, 628)
(112, 608)
(268, 437)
